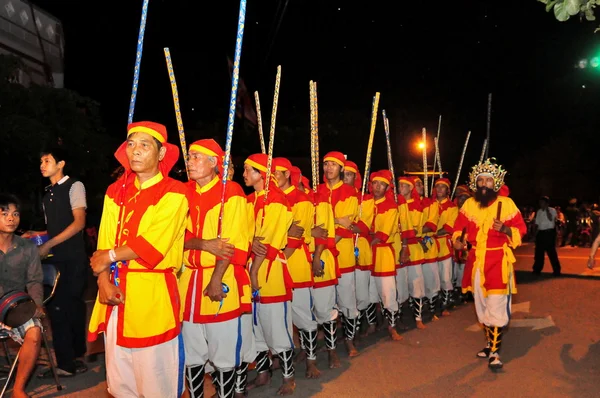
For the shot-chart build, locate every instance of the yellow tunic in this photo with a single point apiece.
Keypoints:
(151, 222)
(429, 219)
(274, 278)
(448, 213)
(300, 262)
(385, 227)
(344, 203)
(203, 223)
(324, 217)
(365, 254)
(410, 214)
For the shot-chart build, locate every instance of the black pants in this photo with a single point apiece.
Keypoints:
(67, 312)
(545, 242)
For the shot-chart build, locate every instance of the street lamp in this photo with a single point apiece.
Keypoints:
(421, 145)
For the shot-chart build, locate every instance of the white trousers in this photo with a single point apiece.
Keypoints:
(219, 343)
(493, 310)
(248, 340)
(459, 271)
(346, 295)
(273, 327)
(416, 281)
(431, 275)
(149, 372)
(386, 289)
(302, 309)
(362, 279)
(324, 308)
(445, 272)
(402, 285)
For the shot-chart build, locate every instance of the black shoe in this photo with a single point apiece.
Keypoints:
(556, 273)
(80, 366)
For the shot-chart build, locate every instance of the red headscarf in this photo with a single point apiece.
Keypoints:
(211, 148)
(295, 175)
(352, 167)
(386, 177)
(410, 180)
(159, 132)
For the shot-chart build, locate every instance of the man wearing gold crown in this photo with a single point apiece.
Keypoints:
(494, 226)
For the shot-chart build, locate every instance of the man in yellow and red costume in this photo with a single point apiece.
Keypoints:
(140, 251)
(494, 226)
(364, 260)
(271, 281)
(383, 231)
(344, 202)
(411, 253)
(445, 228)
(215, 286)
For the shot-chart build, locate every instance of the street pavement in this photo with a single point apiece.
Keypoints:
(552, 349)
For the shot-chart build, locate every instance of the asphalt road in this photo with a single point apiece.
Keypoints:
(552, 349)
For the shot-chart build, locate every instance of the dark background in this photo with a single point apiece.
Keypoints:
(426, 59)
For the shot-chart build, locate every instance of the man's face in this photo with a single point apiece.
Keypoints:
(441, 191)
(349, 178)
(543, 204)
(281, 177)
(251, 176)
(404, 189)
(485, 182)
(143, 153)
(9, 219)
(379, 188)
(49, 167)
(201, 165)
(332, 170)
(419, 187)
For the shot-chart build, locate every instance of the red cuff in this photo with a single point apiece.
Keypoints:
(272, 253)
(364, 230)
(321, 241)
(294, 243)
(382, 237)
(343, 232)
(149, 257)
(408, 234)
(431, 226)
(240, 257)
(448, 229)
(188, 235)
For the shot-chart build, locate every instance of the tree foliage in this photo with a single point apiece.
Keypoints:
(565, 9)
(38, 116)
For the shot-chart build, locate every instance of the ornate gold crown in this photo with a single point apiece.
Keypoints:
(487, 167)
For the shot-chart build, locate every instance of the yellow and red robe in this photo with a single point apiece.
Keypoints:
(300, 262)
(149, 219)
(385, 228)
(410, 214)
(344, 203)
(448, 213)
(429, 219)
(324, 217)
(203, 223)
(271, 222)
(491, 254)
(365, 253)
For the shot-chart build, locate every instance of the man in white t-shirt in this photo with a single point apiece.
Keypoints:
(545, 238)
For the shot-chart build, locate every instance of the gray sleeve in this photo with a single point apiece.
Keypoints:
(35, 276)
(77, 195)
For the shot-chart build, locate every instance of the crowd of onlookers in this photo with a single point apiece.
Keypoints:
(576, 225)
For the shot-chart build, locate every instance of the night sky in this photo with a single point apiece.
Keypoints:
(426, 59)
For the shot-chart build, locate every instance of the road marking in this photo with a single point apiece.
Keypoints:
(521, 307)
(534, 323)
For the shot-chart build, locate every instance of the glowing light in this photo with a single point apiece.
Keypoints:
(421, 145)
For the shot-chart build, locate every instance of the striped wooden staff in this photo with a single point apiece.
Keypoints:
(314, 137)
(425, 185)
(435, 159)
(177, 109)
(138, 61)
(235, 78)
(272, 134)
(460, 164)
(438, 157)
(259, 121)
(316, 115)
(386, 126)
(485, 144)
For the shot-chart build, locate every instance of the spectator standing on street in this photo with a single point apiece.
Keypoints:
(545, 238)
(571, 213)
(65, 211)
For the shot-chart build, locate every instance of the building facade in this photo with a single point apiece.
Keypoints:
(36, 37)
